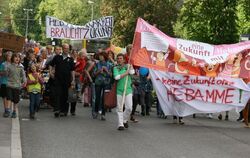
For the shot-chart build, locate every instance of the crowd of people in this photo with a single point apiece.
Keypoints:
(61, 71)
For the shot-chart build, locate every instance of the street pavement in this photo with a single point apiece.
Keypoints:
(5, 135)
(82, 137)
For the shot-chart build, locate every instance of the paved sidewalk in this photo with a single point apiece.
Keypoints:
(10, 140)
(5, 135)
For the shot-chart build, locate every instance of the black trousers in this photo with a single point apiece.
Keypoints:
(146, 101)
(50, 86)
(61, 97)
(135, 103)
(72, 107)
(99, 102)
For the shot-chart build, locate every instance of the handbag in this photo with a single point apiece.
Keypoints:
(110, 97)
(72, 95)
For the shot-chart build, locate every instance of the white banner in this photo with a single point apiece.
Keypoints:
(183, 95)
(96, 29)
(201, 51)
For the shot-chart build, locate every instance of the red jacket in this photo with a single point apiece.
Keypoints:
(80, 65)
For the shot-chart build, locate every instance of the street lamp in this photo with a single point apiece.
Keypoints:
(92, 9)
(27, 20)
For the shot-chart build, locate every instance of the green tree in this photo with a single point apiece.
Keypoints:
(244, 16)
(125, 12)
(213, 21)
(5, 21)
(19, 16)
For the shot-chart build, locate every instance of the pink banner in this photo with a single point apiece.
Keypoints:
(153, 49)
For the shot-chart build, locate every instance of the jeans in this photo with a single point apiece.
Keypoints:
(93, 97)
(34, 101)
(99, 101)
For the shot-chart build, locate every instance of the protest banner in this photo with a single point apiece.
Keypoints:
(11, 42)
(194, 77)
(153, 49)
(183, 95)
(96, 29)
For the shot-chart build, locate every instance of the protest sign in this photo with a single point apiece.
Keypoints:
(183, 95)
(96, 29)
(153, 49)
(11, 42)
(194, 77)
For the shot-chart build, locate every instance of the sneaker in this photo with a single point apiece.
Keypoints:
(239, 119)
(6, 114)
(133, 120)
(73, 114)
(181, 122)
(120, 128)
(210, 116)
(13, 115)
(125, 125)
(103, 118)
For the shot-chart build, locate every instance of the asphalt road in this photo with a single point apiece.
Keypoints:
(82, 137)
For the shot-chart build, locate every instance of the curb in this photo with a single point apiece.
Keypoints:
(16, 148)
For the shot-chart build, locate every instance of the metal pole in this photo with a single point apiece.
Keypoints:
(92, 13)
(27, 23)
(92, 8)
(27, 20)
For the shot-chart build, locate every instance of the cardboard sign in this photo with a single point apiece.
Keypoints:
(11, 42)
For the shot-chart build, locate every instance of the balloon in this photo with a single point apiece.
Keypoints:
(143, 71)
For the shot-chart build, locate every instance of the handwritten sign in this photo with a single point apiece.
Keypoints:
(184, 95)
(11, 41)
(96, 29)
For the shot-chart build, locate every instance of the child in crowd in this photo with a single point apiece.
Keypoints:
(3, 83)
(16, 80)
(34, 87)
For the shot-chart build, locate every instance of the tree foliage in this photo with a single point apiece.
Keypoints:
(244, 16)
(213, 21)
(19, 16)
(125, 12)
(210, 21)
(5, 21)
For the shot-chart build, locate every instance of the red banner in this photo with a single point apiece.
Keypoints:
(153, 49)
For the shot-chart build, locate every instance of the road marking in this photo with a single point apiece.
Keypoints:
(16, 148)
